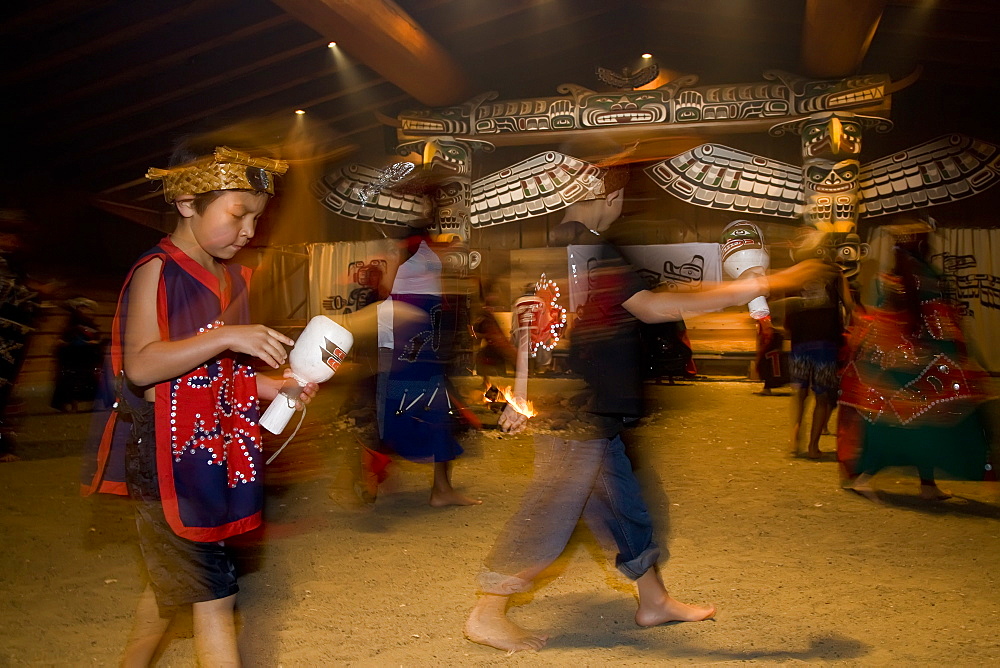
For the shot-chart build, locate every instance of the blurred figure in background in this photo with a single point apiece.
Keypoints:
(911, 380)
(19, 305)
(815, 324)
(495, 351)
(771, 361)
(79, 354)
(416, 406)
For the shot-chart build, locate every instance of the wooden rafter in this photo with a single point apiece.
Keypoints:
(146, 69)
(381, 35)
(836, 35)
(102, 42)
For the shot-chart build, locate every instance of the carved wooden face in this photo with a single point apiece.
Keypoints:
(831, 194)
(605, 110)
(449, 157)
(846, 93)
(846, 251)
(831, 136)
(842, 248)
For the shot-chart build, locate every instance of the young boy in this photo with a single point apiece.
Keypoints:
(183, 441)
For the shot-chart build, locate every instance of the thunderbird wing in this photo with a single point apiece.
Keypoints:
(942, 170)
(357, 191)
(719, 177)
(535, 186)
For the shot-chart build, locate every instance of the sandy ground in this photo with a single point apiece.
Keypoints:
(801, 571)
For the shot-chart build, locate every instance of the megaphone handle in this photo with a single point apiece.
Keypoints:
(291, 390)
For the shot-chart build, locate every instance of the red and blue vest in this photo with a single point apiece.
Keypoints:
(209, 458)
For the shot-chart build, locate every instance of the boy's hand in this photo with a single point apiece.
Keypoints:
(511, 421)
(308, 391)
(262, 342)
(799, 274)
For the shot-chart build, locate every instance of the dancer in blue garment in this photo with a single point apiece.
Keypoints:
(416, 408)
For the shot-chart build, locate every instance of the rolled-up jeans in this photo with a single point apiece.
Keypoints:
(572, 479)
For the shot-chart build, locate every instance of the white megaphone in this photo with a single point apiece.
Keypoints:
(744, 256)
(316, 356)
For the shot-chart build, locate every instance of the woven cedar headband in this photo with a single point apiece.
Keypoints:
(225, 170)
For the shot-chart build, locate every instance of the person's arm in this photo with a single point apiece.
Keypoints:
(512, 420)
(148, 359)
(653, 307)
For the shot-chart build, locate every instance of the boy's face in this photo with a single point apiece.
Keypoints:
(228, 222)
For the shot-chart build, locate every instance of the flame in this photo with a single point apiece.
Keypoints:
(522, 406)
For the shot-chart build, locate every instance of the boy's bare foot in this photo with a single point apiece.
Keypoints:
(486, 626)
(440, 499)
(9, 457)
(669, 609)
(814, 454)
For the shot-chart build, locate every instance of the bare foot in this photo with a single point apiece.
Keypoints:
(9, 457)
(815, 454)
(486, 626)
(934, 493)
(670, 609)
(862, 486)
(440, 499)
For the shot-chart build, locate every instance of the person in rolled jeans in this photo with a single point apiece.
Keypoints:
(588, 474)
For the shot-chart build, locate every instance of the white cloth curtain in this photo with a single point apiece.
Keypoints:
(970, 261)
(345, 276)
(679, 267)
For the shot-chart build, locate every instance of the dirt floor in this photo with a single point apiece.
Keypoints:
(801, 571)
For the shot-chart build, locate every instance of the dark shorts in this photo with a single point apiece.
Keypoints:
(181, 571)
(813, 365)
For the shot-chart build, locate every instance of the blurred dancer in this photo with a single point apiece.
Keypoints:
(79, 354)
(815, 324)
(495, 351)
(911, 380)
(19, 306)
(587, 474)
(416, 405)
(772, 368)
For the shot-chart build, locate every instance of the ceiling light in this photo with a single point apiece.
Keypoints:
(300, 111)
(647, 55)
(332, 44)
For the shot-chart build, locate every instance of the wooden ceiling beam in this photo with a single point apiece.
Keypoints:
(102, 42)
(381, 35)
(141, 70)
(201, 85)
(174, 124)
(836, 35)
